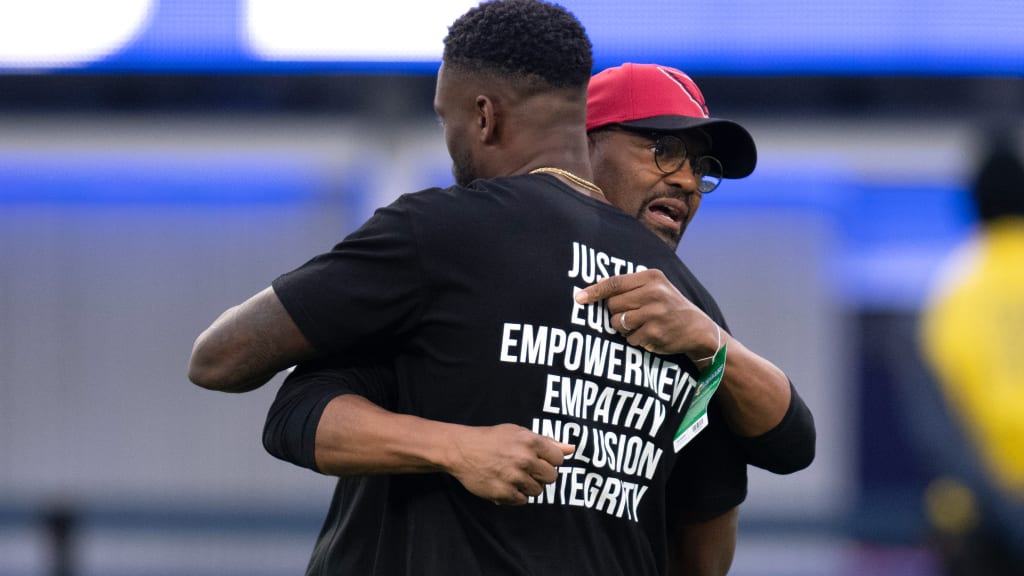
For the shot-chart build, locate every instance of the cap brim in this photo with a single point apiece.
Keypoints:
(730, 143)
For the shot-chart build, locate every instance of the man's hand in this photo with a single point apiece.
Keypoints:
(755, 394)
(505, 463)
(654, 315)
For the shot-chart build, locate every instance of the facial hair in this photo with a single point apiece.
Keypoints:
(670, 238)
(462, 168)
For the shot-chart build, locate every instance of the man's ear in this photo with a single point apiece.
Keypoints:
(487, 125)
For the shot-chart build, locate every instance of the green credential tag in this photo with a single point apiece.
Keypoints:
(696, 417)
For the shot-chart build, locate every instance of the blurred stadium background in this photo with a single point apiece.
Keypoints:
(160, 160)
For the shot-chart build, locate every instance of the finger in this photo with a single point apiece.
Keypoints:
(554, 452)
(636, 320)
(514, 492)
(640, 341)
(624, 326)
(607, 288)
(544, 473)
(514, 498)
(529, 487)
(532, 486)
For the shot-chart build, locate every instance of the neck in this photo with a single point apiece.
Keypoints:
(550, 131)
(568, 153)
(565, 156)
(581, 184)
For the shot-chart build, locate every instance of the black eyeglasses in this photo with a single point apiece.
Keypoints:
(670, 155)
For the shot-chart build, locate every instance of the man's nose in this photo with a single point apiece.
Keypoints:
(684, 179)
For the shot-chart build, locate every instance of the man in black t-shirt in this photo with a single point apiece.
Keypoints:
(470, 291)
(641, 170)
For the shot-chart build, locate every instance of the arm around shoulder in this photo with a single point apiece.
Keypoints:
(247, 345)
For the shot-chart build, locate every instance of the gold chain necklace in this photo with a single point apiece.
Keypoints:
(569, 176)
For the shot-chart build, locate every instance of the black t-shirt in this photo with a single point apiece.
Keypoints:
(708, 478)
(469, 292)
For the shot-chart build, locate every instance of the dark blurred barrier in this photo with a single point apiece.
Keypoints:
(67, 531)
(62, 529)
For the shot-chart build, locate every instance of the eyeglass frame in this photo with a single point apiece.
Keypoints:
(657, 137)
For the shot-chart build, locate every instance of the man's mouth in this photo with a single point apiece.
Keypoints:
(668, 212)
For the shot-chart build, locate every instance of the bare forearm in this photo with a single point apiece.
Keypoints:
(754, 394)
(247, 345)
(504, 463)
(355, 436)
(218, 360)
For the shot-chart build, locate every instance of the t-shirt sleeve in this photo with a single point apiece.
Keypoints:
(290, 429)
(363, 295)
(710, 476)
(788, 447)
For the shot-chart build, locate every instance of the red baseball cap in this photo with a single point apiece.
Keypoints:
(663, 99)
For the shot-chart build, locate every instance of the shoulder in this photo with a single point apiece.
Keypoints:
(695, 291)
(452, 201)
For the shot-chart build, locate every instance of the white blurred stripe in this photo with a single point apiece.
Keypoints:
(332, 30)
(56, 33)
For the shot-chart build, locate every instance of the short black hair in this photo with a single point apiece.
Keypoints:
(998, 187)
(521, 39)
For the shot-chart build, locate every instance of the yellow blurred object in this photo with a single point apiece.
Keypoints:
(973, 337)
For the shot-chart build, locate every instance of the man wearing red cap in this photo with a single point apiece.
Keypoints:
(656, 151)
(642, 105)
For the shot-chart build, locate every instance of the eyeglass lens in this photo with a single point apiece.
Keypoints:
(670, 154)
